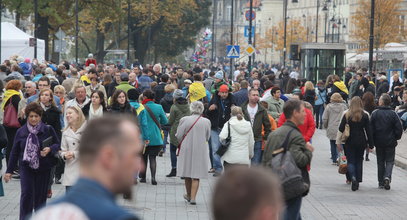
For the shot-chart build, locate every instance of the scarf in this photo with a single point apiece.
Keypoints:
(147, 100)
(7, 95)
(95, 114)
(32, 146)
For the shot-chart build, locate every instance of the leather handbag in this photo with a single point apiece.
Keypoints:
(224, 145)
(10, 117)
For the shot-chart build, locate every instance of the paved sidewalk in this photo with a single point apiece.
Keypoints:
(330, 197)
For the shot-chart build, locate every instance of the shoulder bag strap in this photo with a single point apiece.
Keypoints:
(153, 116)
(183, 137)
(285, 143)
(228, 130)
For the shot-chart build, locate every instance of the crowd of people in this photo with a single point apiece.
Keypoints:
(48, 110)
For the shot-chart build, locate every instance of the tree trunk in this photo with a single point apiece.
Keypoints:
(100, 46)
(18, 19)
(43, 33)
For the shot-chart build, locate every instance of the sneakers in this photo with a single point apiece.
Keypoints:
(186, 197)
(386, 183)
(172, 173)
(143, 180)
(160, 154)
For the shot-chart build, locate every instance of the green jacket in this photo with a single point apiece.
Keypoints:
(177, 111)
(261, 119)
(215, 87)
(275, 107)
(296, 145)
(125, 86)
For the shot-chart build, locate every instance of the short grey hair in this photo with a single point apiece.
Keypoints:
(196, 108)
(31, 83)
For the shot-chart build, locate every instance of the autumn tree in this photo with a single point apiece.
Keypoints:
(296, 33)
(387, 23)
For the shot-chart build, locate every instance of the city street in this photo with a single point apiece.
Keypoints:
(330, 197)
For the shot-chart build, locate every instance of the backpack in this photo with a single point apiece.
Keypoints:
(284, 166)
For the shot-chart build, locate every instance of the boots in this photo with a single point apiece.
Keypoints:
(172, 173)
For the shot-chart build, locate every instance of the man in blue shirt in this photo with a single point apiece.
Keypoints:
(109, 157)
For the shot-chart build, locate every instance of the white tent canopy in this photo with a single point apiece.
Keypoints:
(16, 42)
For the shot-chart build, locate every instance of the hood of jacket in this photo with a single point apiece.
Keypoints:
(239, 126)
(184, 108)
(338, 107)
(341, 86)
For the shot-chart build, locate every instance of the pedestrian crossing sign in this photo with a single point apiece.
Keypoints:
(233, 51)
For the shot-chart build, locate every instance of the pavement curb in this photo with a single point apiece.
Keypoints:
(400, 162)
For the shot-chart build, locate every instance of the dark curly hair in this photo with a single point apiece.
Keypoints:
(33, 107)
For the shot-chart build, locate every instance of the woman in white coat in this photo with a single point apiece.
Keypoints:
(240, 150)
(70, 143)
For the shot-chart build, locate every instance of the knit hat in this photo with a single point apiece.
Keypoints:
(219, 75)
(27, 60)
(178, 94)
(187, 81)
(296, 91)
(223, 88)
(90, 55)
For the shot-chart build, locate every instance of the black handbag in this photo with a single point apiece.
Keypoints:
(224, 145)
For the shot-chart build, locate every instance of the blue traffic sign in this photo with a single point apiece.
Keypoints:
(246, 31)
(233, 51)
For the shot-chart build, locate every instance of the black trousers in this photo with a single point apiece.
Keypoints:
(385, 162)
(34, 188)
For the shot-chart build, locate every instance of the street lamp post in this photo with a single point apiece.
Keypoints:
(316, 23)
(128, 32)
(285, 32)
(76, 31)
(213, 30)
(249, 66)
(371, 37)
(35, 26)
(231, 38)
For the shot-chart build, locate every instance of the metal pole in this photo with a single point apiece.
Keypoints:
(76, 31)
(1, 10)
(316, 23)
(149, 29)
(213, 30)
(35, 26)
(333, 30)
(285, 32)
(326, 21)
(250, 34)
(371, 38)
(339, 33)
(128, 33)
(231, 39)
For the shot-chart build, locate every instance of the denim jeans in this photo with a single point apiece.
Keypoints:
(173, 155)
(319, 111)
(334, 151)
(210, 152)
(354, 155)
(165, 141)
(256, 160)
(217, 163)
(292, 209)
(385, 162)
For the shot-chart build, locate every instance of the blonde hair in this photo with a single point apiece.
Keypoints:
(355, 109)
(59, 88)
(237, 111)
(309, 86)
(169, 88)
(81, 118)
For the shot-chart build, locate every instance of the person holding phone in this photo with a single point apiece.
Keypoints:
(34, 151)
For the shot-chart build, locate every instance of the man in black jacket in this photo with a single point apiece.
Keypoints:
(387, 129)
(219, 113)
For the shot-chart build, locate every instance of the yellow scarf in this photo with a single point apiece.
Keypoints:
(371, 82)
(196, 91)
(341, 86)
(139, 109)
(7, 95)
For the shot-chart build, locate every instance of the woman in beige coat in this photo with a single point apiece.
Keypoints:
(70, 143)
(332, 118)
(193, 157)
